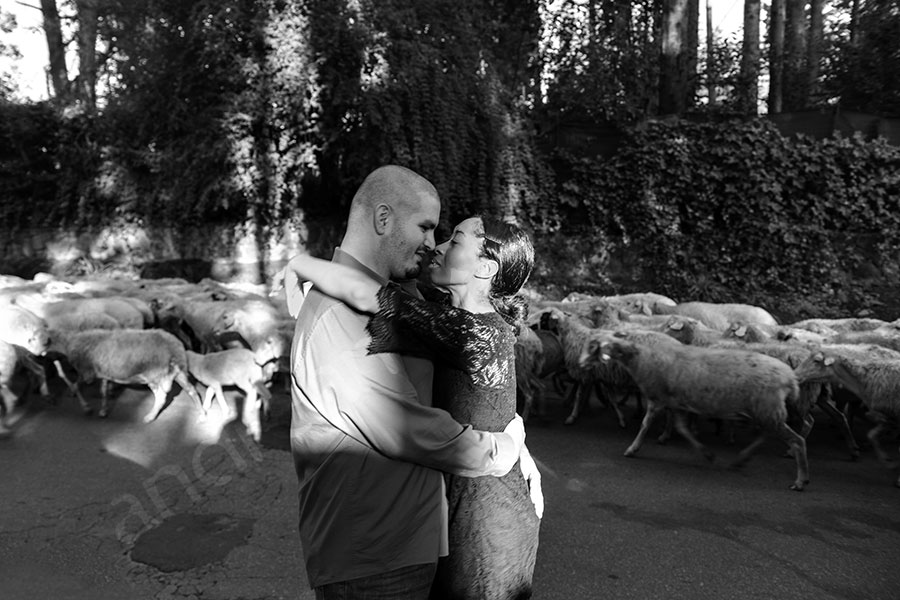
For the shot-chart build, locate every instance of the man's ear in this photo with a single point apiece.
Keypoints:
(487, 269)
(382, 218)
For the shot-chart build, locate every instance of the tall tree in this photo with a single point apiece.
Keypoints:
(87, 16)
(814, 47)
(776, 56)
(748, 80)
(59, 75)
(678, 55)
(796, 92)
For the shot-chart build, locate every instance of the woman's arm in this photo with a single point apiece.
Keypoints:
(338, 281)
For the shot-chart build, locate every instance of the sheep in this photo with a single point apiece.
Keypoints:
(811, 392)
(8, 399)
(636, 303)
(538, 354)
(122, 310)
(691, 331)
(884, 336)
(574, 333)
(727, 384)
(876, 381)
(150, 357)
(839, 325)
(23, 328)
(236, 367)
(718, 316)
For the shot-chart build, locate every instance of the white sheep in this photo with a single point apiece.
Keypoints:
(725, 384)
(21, 327)
(614, 386)
(718, 316)
(239, 368)
(811, 392)
(635, 303)
(876, 381)
(150, 357)
(840, 325)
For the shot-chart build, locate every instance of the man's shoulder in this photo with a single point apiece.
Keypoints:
(324, 313)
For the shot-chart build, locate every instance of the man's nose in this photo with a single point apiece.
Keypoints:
(429, 241)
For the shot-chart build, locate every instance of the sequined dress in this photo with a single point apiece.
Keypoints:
(493, 525)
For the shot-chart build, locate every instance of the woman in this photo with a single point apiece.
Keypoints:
(493, 523)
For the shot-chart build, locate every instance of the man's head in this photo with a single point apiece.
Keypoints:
(392, 221)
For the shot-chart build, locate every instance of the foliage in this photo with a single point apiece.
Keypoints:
(862, 73)
(741, 213)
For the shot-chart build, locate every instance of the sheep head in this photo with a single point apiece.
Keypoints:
(818, 367)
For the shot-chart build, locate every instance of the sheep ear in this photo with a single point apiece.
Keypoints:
(829, 361)
(645, 308)
(741, 331)
(676, 326)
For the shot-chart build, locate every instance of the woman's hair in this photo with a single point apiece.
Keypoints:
(508, 245)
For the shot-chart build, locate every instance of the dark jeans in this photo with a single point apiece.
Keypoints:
(406, 583)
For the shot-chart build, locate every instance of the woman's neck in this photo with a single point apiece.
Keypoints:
(472, 300)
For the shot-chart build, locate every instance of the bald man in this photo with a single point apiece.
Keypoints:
(367, 446)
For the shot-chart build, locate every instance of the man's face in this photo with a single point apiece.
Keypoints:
(412, 236)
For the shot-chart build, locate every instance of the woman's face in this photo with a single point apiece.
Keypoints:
(456, 260)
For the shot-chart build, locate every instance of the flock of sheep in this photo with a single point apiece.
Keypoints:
(147, 332)
(686, 360)
(730, 362)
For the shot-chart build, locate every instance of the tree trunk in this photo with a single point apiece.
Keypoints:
(712, 75)
(59, 76)
(795, 93)
(814, 48)
(776, 56)
(748, 88)
(87, 55)
(678, 55)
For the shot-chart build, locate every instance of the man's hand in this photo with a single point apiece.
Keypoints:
(516, 430)
(533, 478)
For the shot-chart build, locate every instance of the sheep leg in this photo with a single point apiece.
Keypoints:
(652, 410)
(581, 394)
(182, 379)
(682, 427)
(874, 436)
(160, 393)
(798, 449)
(251, 414)
(220, 399)
(841, 421)
(208, 397)
(73, 387)
(104, 398)
(36, 373)
(808, 422)
(9, 401)
(606, 394)
(666, 434)
(265, 398)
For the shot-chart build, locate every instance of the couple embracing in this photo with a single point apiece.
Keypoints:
(414, 478)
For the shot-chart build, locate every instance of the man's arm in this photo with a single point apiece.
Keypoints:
(370, 398)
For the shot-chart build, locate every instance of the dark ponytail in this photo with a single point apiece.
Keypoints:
(508, 245)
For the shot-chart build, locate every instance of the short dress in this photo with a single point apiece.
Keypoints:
(494, 529)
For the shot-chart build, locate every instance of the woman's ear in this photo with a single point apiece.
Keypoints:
(382, 218)
(487, 268)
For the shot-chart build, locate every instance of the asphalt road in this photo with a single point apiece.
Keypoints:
(115, 509)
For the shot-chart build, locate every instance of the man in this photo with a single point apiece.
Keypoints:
(367, 448)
